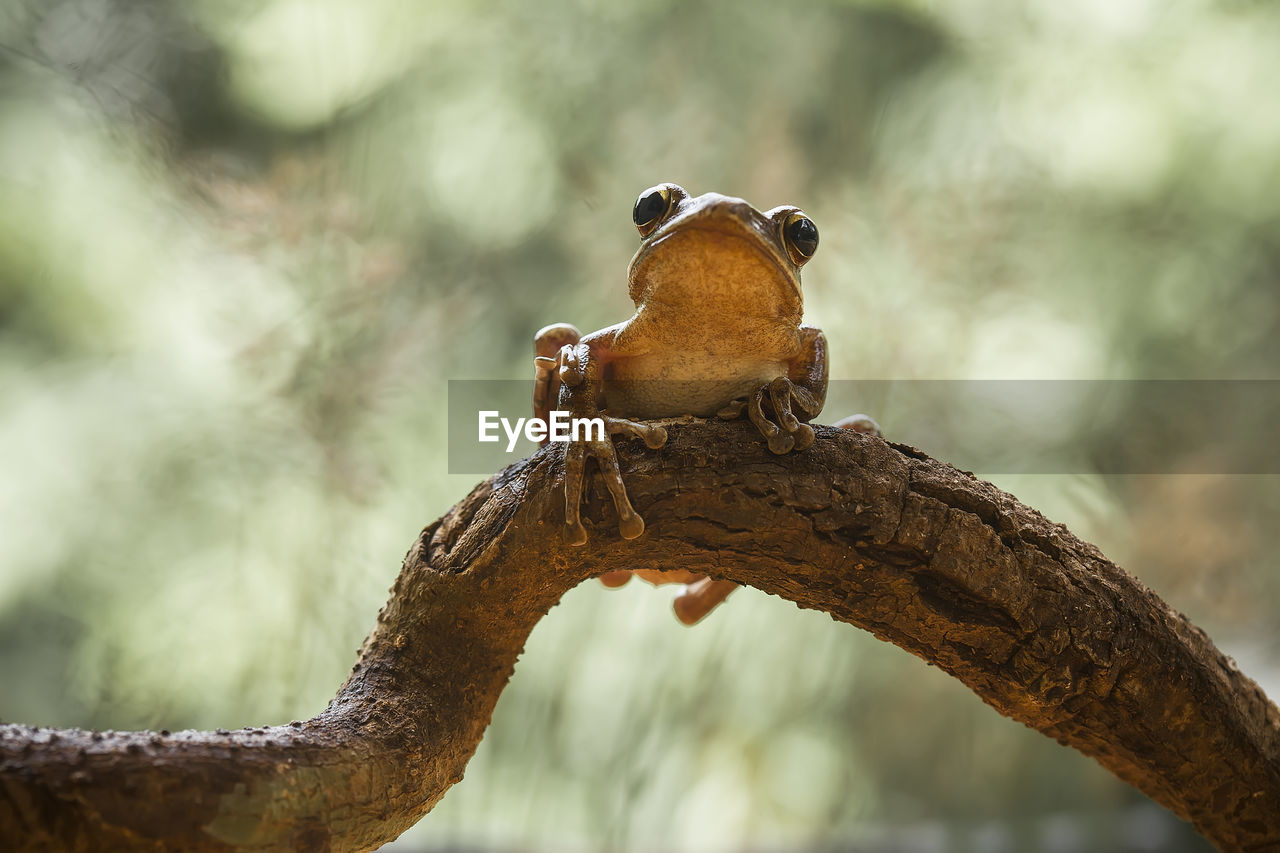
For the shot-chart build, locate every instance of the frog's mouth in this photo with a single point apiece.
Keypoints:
(721, 239)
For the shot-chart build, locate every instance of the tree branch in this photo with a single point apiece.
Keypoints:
(1039, 624)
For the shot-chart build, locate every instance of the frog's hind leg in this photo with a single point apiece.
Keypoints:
(546, 380)
(700, 598)
(630, 524)
(575, 463)
(577, 368)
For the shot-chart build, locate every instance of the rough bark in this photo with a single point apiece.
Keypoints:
(1038, 623)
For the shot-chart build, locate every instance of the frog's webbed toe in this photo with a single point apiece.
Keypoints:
(770, 408)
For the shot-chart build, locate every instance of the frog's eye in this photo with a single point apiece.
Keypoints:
(801, 237)
(651, 207)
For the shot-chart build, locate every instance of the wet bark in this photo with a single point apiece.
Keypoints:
(1038, 623)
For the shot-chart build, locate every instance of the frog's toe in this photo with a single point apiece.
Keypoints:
(781, 443)
(655, 437)
(733, 410)
(615, 578)
(700, 598)
(575, 534)
(803, 436)
(630, 526)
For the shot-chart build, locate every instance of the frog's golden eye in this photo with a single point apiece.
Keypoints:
(801, 237)
(651, 207)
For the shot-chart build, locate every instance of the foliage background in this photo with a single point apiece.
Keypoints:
(243, 245)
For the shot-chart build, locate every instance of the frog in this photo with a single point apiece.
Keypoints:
(717, 333)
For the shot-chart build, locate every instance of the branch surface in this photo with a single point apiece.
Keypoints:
(1036, 622)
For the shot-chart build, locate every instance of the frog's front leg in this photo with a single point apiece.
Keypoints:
(578, 368)
(630, 524)
(792, 399)
(546, 380)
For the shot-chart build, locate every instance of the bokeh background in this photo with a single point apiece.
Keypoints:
(244, 245)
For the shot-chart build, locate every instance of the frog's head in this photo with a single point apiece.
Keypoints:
(718, 253)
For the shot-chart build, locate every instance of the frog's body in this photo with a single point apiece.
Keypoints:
(716, 331)
(647, 379)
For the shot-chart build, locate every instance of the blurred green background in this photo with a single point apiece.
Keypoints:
(244, 245)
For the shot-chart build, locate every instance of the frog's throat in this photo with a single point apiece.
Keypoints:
(761, 246)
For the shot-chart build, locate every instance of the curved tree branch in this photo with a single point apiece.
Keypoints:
(1039, 624)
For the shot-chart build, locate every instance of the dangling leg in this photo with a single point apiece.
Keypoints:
(700, 598)
(630, 524)
(574, 470)
(577, 369)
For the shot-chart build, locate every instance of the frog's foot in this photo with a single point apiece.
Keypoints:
(630, 524)
(860, 423)
(700, 596)
(653, 435)
(789, 433)
(575, 534)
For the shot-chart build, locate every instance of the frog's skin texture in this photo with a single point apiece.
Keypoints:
(717, 332)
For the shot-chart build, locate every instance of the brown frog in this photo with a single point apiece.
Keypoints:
(716, 332)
